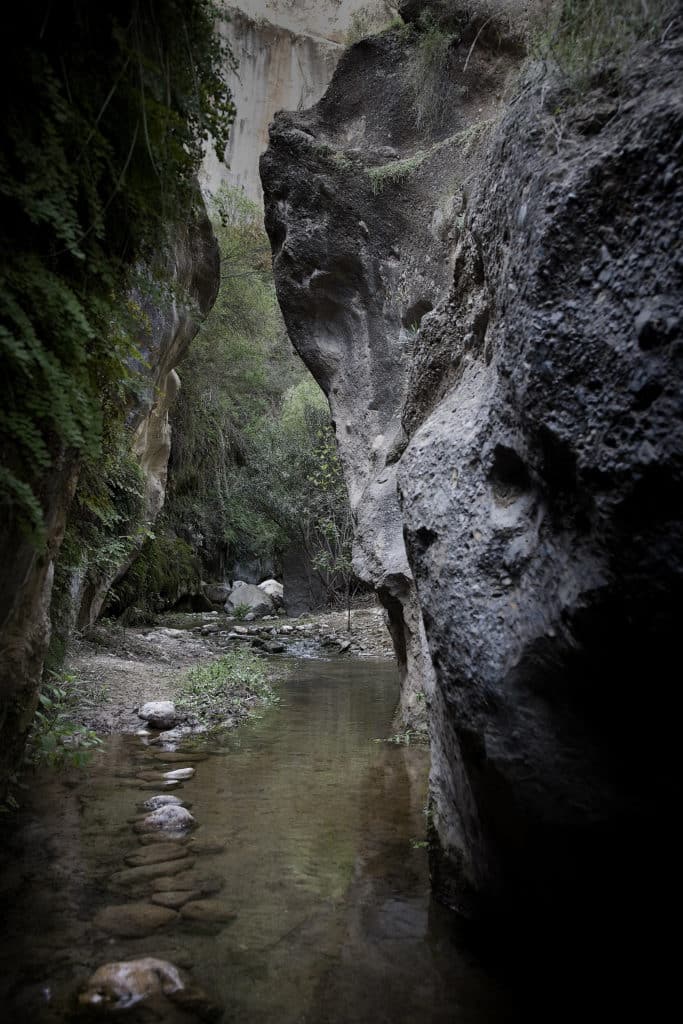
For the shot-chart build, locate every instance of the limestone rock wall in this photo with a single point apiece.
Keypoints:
(191, 265)
(286, 51)
(496, 323)
(363, 208)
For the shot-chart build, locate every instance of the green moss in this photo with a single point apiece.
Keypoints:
(165, 569)
(396, 172)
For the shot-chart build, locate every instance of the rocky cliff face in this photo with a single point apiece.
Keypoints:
(191, 266)
(532, 425)
(365, 203)
(193, 269)
(286, 52)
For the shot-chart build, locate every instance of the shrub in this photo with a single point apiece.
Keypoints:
(231, 686)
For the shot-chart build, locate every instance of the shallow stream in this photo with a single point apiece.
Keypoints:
(322, 822)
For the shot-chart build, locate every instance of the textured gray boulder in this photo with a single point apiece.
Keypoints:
(249, 596)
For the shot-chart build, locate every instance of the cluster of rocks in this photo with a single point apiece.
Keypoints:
(253, 600)
(162, 883)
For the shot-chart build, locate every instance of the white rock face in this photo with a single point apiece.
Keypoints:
(160, 714)
(287, 51)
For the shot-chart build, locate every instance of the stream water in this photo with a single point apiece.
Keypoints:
(321, 823)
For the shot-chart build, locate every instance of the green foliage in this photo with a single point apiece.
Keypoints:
(233, 685)
(233, 379)
(165, 569)
(396, 172)
(106, 110)
(583, 33)
(55, 740)
(241, 611)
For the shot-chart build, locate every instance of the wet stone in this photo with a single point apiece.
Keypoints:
(146, 872)
(161, 800)
(175, 899)
(179, 773)
(160, 714)
(156, 854)
(170, 818)
(189, 880)
(209, 911)
(134, 920)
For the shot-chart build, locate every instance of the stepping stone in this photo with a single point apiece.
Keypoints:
(145, 872)
(154, 802)
(172, 756)
(170, 818)
(154, 838)
(189, 880)
(212, 911)
(134, 920)
(175, 900)
(157, 854)
(179, 773)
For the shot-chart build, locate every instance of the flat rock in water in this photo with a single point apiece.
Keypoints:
(160, 714)
(202, 847)
(179, 773)
(134, 920)
(173, 756)
(145, 872)
(175, 898)
(212, 911)
(162, 800)
(170, 818)
(189, 880)
(156, 854)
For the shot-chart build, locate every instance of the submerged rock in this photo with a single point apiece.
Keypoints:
(133, 920)
(121, 986)
(132, 877)
(157, 854)
(160, 714)
(210, 911)
(176, 898)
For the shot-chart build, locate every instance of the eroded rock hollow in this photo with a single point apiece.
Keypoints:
(489, 291)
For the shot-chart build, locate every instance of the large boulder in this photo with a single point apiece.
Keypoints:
(274, 590)
(160, 714)
(250, 598)
(217, 593)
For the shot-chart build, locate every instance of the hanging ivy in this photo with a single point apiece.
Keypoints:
(106, 111)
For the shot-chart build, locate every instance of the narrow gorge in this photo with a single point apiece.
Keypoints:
(341, 560)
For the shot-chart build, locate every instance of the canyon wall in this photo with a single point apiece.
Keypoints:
(286, 52)
(491, 301)
(191, 268)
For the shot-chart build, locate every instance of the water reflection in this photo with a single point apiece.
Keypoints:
(319, 822)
